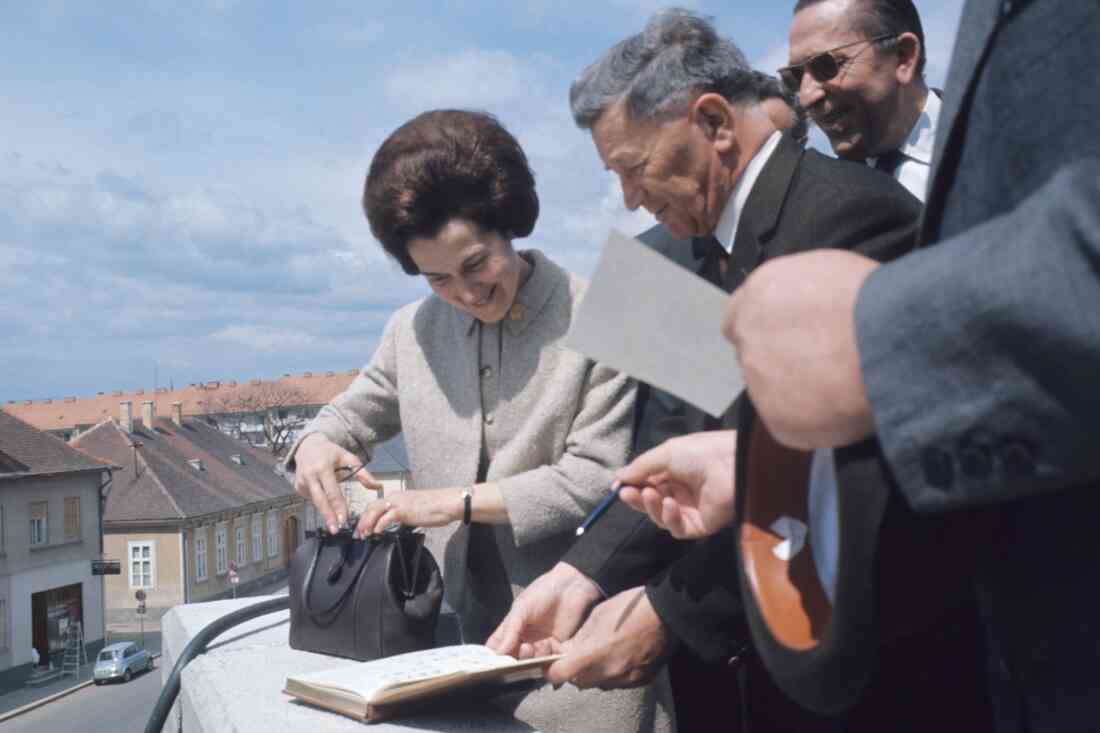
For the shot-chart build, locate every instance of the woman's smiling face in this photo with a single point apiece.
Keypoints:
(474, 270)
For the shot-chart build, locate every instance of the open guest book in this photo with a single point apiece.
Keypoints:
(402, 684)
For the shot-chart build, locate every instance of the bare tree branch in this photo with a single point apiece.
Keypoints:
(267, 407)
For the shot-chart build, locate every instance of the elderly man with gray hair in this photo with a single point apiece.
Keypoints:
(676, 113)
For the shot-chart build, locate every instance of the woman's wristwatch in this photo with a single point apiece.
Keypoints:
(467, 500)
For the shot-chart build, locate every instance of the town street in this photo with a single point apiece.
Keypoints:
(116, 707)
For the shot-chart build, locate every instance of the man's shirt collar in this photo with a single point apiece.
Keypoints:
(918, 146)
(726, 231)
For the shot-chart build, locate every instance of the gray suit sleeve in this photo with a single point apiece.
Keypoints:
(981, 355)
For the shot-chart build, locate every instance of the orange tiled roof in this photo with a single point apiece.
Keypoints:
(317, 388)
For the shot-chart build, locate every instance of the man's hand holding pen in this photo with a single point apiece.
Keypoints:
(685, 484)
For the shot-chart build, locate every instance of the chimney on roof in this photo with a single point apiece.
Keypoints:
(126, 416)
(148, 412)
(177, 414)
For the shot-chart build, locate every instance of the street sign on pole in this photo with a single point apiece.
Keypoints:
(140, 595)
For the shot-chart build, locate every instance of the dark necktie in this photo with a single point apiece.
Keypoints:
(714, 256)
(889, 161)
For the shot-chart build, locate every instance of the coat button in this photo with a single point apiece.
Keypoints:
(976, 459)
(486, 372)
(1017, 457)
(739, 655)
(939, 469)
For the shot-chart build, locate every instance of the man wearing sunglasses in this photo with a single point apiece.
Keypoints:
(858, 69)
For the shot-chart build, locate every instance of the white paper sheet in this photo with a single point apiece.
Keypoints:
(650, 318)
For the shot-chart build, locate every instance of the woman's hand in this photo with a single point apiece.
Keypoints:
(321, 465)
(419, 508)
(685, 484)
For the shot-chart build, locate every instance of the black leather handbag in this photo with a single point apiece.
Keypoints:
(364, 599)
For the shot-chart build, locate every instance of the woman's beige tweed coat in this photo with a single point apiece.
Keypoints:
(557, 427)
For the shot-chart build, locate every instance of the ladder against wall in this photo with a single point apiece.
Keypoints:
(75, 654)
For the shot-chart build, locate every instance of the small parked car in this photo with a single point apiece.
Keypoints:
(124, 659)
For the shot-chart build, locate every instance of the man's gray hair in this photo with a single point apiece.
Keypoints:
(661, 70)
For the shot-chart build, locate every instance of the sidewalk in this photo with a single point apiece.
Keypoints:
(14, 698)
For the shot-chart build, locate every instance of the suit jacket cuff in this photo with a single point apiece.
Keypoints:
(699, 602)
(623, 550)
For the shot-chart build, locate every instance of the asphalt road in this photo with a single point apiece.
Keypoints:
(115, 707)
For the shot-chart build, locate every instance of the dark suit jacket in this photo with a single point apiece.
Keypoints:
(980, 353)
(801, 200)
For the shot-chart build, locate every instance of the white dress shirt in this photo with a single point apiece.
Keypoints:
(726, 231)
(917, 149)
(824, 532)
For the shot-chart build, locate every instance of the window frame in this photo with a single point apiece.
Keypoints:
(221, 549)
(273, 534)
(43, 535)
(241, 545)
(257, 538)
(152, 545)
(76, 534)
(200, 556)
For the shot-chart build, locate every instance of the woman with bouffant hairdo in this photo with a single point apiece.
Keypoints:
(512, 437)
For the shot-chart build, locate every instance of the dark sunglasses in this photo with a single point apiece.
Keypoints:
(822, 67)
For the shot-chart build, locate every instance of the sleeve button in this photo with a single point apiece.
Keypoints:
(1018, 458)
(939, 468)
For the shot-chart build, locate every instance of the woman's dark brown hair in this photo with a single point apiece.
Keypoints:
(448, 164)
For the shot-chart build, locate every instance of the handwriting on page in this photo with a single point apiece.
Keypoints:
(381, 674)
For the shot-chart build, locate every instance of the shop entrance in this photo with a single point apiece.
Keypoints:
(52, 612)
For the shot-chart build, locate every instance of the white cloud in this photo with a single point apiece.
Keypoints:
(773, 59)
(472, 78)
(267, 339)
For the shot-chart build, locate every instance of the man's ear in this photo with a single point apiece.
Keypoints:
(908, 49)
(714, 116)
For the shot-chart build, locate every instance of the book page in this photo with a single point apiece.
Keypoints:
(368, 679)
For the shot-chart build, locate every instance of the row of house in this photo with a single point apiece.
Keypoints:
(173, 505)
(266, 413)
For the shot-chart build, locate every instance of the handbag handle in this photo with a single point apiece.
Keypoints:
(343, 596)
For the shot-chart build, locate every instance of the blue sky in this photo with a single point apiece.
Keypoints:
(179, 182)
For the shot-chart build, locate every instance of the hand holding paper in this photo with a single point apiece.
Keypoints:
(650, 318)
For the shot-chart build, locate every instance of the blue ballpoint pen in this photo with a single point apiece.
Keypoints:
(600, 509)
